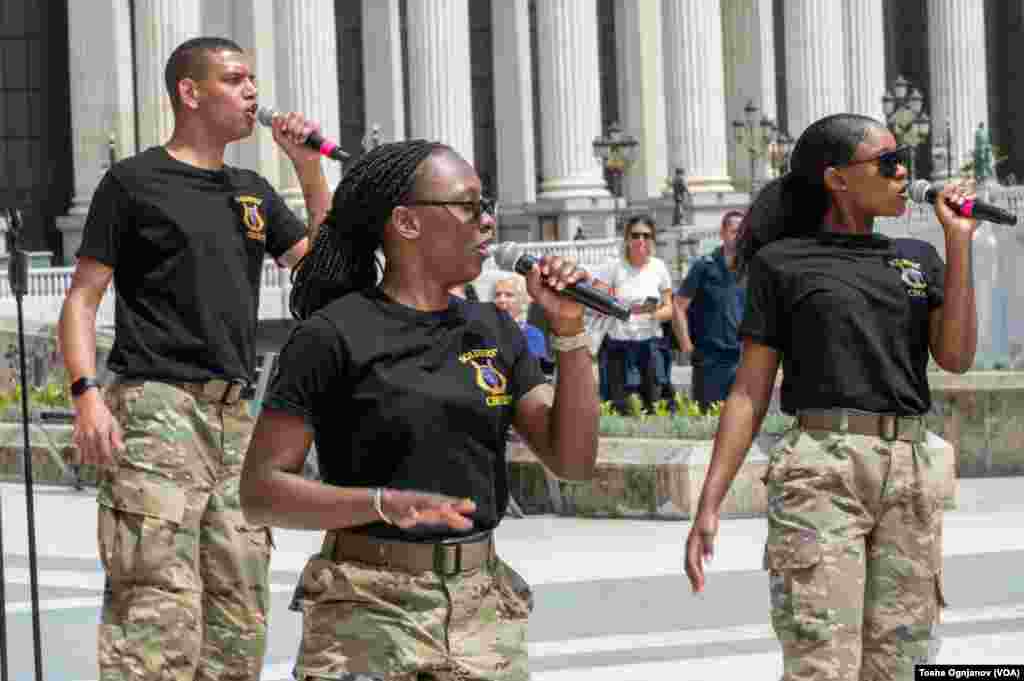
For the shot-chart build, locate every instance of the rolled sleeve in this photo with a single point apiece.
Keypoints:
(761, 316)
(311, 361)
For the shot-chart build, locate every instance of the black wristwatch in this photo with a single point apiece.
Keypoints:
(82, 385)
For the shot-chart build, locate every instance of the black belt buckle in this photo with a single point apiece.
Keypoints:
(441, 554)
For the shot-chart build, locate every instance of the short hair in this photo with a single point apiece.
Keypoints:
(518, 285)
(729, 215)
(522, 296)
(191, 59)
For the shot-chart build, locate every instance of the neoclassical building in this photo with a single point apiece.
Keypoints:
(521, 87)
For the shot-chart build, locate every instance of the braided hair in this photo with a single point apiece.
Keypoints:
(794, 204)
(343, 257)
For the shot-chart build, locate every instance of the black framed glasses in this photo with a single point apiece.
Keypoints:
(889, 161)
(648, 236)
(477, 209)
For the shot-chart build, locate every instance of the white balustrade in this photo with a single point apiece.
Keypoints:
(48, 286)
(588, 252)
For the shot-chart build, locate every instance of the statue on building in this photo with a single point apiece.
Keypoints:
(682, 199)
(982, 154)
(372, 139)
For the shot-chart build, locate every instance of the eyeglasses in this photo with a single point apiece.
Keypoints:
(642, 235)
(889, 161)
(477, 209)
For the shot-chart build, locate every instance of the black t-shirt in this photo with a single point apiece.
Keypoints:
(187, 246)
(850, 316)
(716, 307)
(409, 399)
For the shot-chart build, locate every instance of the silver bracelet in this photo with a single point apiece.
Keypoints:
(569, 343)
(378, 505)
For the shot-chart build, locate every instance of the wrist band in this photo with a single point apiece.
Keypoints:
(569, 343)
(378, 505)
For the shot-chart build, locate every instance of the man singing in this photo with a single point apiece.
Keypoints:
(184, 237)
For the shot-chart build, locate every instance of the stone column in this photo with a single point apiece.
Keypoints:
(570, 100)
(513, 107)
(102, 106)
(641, 94)
(959, 87)
(160, 26)
(250, 23)
(749, 48)
(864, 32)
(383, 77)
(307, 80)
(440, 81)
(815, 65)
(695, 92)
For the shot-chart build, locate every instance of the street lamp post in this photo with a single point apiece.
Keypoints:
(616, 150)
(903, 106)
(949, 150)
(756, 137)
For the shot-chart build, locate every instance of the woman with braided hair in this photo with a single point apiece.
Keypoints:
(408, 393)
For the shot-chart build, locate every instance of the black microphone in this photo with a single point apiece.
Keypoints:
(328, 148)
(510, 256)
(923, 191)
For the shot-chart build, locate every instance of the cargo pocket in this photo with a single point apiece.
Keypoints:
(138, 523)
(798, 591)
(516, 588)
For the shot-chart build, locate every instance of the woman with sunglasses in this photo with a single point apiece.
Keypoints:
(855, 492)
(408, 393)
(643, 281)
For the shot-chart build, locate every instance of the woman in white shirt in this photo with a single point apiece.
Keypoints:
(643, 281)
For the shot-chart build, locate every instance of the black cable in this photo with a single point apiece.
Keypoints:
(18, 278)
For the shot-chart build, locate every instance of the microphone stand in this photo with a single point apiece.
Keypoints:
(18, 279)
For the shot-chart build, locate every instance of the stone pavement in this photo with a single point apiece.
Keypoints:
(612, 602)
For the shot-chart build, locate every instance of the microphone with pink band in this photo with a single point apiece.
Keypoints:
(328, 148)
(923, 191)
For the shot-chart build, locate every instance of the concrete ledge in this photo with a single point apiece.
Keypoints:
(658, 479)
(639, 478)
(976, 381)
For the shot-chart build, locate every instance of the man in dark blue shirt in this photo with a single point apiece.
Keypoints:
(707, 311)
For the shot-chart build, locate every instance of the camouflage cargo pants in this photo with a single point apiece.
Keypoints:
(854, 553)
(368, 623)
(187, 593)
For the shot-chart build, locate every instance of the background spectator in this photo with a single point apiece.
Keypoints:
(643, 281)
(510, 295)
(706, 317)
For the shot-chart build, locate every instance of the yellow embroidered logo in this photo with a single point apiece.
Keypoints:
(252, 217)
(912, 277)
(491, 381)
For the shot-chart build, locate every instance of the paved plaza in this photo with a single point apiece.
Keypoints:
(611, 599)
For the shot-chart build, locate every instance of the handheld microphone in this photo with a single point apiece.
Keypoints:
(923, 191)
(510, 256)
(328, 148)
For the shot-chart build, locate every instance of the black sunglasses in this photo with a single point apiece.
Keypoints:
(889, 161)
(477, 209)
(642, 235)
